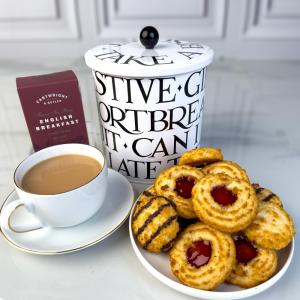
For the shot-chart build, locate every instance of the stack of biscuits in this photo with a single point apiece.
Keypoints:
(215, 225)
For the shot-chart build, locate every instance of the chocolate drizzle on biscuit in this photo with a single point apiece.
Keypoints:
(159, 229)
(268, 198)
(148, 204)
(148, 194)
(168, 245)
(259, 190)
(171, 202)
(263, 197)
(152, 216)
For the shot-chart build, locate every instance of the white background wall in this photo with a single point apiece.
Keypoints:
(47, 30)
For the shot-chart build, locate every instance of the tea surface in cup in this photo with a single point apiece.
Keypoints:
(60, 174)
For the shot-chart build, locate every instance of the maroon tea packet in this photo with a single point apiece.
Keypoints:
(53, 109)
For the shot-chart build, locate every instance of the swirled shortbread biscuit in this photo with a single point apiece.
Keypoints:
(266, 195)
(201, 157)
(225, 203)
(176, 184)
(154, 222)
(202, 257)
(227, 167)
(254, 264)
(272, 228)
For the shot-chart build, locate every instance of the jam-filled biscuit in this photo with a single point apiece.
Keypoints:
(201, 157)
(202, 257)
(266, 195)
(154, 222)
(227, 167)
(254, 264)
(225, 203)
(272, 228)
(176, 184)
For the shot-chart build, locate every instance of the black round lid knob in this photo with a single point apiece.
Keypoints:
(149, 37)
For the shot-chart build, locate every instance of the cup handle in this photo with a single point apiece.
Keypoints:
(8, 211)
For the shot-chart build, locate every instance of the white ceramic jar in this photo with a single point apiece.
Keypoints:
(150, 103)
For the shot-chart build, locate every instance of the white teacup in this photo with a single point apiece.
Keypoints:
(64, 209)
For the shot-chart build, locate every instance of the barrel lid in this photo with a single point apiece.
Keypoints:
(167, 58)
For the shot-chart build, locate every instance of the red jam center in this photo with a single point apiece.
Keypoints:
(184, 186)
(245, 251)
(198, 254)
(222, 195)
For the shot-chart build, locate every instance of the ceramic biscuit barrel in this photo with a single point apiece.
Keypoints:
(150, 103)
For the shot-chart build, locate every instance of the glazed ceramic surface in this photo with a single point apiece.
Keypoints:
(53, 241)
(62, 209)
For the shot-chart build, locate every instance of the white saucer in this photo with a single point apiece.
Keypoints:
(159, 266)
(50, 241)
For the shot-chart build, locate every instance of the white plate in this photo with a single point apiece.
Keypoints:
(158, 266)
(109, 218)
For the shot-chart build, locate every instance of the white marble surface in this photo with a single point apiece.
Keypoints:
(252, 113)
